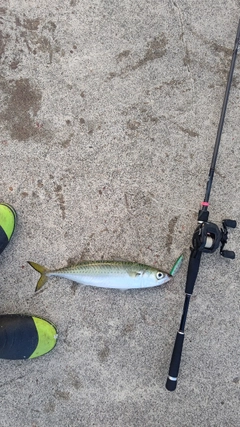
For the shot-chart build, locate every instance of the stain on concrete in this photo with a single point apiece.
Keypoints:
(171, 83)
(14, 64)
(49, 26)
(171, 226)
(187, 58)
(50, 407)
(67, 141)
(28, 24)
(36, 38)
(104, 353)
(73, 261)
(189, 131)
(3, 11)
(147, 318)
(60, 394)
(44, 45)
(77, 383)
(2, 43)
(112, 74)
(39, 183)
(156, 49)
(128, 328)
(61, 200)
(122, 55)
(221, 49)
(3, 36)
(24, 194)
(74, 287)
(126, 201)
(137, 202)
(140, 112)
(214, 45)
(224, 56)
(220, 174)
(140, 200)
(133, 124)
(23, 101)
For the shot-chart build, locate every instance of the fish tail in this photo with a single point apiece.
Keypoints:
(42, 270)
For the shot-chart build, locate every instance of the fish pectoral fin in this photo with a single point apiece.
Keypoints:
(135, 273)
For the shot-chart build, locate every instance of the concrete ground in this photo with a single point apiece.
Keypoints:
(109, 113)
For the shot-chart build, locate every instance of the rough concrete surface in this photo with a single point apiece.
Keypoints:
(109, 113)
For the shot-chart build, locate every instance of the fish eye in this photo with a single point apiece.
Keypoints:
(159, 275)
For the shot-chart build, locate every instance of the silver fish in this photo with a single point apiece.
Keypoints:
(107, 274)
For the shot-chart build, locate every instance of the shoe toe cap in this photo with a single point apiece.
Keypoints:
(47, 337)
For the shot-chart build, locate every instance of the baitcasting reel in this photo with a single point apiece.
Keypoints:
(207, 237)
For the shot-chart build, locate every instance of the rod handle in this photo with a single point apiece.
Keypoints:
(171, 383)
(193, 267)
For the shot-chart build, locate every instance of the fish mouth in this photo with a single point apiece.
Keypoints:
(169, 277)
(166, 278)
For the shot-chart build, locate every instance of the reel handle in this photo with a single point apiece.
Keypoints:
(228, 254)
(230, 223)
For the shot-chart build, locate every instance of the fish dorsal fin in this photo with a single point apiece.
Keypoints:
(121, 259)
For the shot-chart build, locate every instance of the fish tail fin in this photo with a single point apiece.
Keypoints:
(42, 270)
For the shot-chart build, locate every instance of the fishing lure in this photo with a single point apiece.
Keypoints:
(109, 274)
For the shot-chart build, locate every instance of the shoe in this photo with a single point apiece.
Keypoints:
(8, 217)
(25, 337)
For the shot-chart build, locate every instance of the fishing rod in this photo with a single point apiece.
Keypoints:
(206, 238)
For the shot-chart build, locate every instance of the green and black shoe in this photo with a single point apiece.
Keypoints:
(8, 217)
(25, 337)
